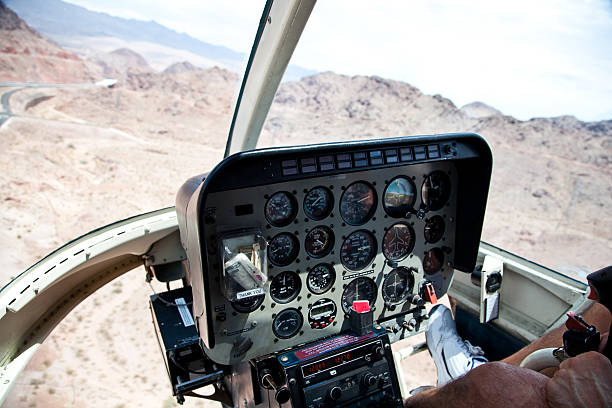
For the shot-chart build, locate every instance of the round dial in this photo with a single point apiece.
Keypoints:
(358, 203)
(248, 305)
(318, 203)
(285, 287)
(397, 285)
(398, 241)
(319, 241)
(358, 250)
(399, 197)
(281, 209)
(433, 261)
(287, 323)
(436, 190)
(283, 249)
(359, 289)
(434, 229)
(320, 279)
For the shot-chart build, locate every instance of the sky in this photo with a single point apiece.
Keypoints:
(526, 58)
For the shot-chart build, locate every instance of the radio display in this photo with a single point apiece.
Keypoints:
(335, 361)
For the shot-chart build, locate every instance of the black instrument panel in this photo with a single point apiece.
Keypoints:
(369, 224)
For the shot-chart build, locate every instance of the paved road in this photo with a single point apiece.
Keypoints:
(6, 112)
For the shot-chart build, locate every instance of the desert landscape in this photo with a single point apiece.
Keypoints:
(76, 158)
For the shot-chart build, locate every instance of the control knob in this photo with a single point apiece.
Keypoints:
(335, 393)
(369, 380)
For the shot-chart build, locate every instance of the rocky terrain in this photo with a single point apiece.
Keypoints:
(78, 158)
(27, 56)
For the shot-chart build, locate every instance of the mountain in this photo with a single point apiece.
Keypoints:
(81, 30)
(119, 61)
(479, 110)
(180, 67)
(26, 56)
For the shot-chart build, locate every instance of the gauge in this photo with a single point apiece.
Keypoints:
(397, 286)
(319, 242)
(287, 323)
(358, 250)
(320, 279)
(434, 229)
(281, 209)
(248, 305)
(283, 249)
(436, 190)
(433, 261)
(359, 289)
(318, 203)
(399, 197)
(285, 287)
(358, 203)
(322, 313)
(398, 241)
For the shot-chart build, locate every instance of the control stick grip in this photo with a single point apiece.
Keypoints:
(601, 291)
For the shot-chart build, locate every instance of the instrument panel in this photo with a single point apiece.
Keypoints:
(376, 232)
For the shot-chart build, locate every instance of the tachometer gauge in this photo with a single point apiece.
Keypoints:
(319, 241)
(285, 287)
(359, 289)
(398, 241)
(283, 249)
(399, 197)
(397, 286)
(281, 209)
(358, 203)
(320, 279)
(358, 250)
(436, 190)
(318, 203)
(433, 261)
(287, 323)
(248, 305)
(434, 229)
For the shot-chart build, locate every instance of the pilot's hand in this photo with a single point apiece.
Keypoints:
(582, 381)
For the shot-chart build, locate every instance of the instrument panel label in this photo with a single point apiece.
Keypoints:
(329, 345)
(356, 275)
(184, 312)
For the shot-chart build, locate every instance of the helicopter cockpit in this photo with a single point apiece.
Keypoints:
(295, 269)
(279, 259)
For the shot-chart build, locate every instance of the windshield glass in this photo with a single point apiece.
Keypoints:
(107, 109)
(533, 80)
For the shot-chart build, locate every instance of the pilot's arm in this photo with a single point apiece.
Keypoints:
(582, 381)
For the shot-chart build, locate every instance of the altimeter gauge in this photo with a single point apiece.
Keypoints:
(358, 203)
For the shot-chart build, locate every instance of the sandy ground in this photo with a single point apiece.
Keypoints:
(85, 158)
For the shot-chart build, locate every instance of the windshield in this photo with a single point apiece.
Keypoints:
(533, 80)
